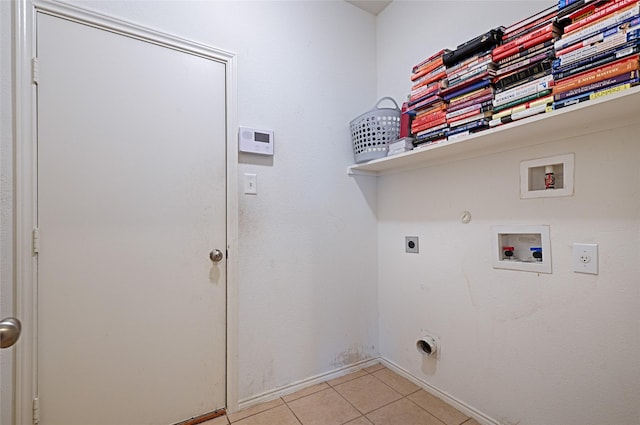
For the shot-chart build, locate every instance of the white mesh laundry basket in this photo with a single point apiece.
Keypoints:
(372, 131)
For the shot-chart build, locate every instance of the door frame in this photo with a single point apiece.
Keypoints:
(25, 141)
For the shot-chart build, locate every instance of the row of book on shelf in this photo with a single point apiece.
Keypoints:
(573, 52)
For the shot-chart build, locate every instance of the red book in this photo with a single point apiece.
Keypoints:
(433, 116)
(424, 80)
(464, 116)
(508, 35)
(527, 44)
(429, 59)
(544, 14)
(607, 71)
(599, 13)
(418, 128)
(438, 106)
(436, 77)
(547, 29)
(422, 93)
(571, 48)
(424, 71)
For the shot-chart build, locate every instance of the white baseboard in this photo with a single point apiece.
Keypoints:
(297, 386)
(449, 399)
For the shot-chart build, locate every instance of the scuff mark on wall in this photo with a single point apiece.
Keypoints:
(350, 356)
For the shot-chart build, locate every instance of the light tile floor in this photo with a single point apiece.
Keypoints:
(371, 396)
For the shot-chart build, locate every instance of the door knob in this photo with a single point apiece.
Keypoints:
(10, 329)
(216, 255)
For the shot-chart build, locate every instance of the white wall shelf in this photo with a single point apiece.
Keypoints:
(614, 111)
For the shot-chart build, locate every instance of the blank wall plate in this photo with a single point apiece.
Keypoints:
(585, 258)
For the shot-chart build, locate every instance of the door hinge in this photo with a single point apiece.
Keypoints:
(36, 240)
(36, 411)
(35, 71)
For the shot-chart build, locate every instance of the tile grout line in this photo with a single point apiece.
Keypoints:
(294, 413)
(257, 413)
(420, 407)
(362, 415)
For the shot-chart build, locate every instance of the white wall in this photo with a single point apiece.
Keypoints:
(520, 347)
(308, 246)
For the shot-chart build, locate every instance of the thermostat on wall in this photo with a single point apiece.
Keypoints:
(255, 141)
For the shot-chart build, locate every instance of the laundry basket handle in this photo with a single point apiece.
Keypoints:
(385, 98)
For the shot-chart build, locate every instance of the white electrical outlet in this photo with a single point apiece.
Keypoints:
(585, 258)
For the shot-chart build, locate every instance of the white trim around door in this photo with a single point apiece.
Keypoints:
(26, 191)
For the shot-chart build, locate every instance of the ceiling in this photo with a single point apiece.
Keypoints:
(372, 6)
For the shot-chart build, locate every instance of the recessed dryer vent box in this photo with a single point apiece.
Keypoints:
(534, 179)
(525, 248)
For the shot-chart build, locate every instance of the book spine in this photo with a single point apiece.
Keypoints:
(538, 66)
(598, 14)
(524, 32)
(426, 70)
(523, 54)
(428, 118)
(565, 3)
(529, 112)
(434, 57)
(431, 135)
(485, 63)
(473, 101)
(547, 13)
(423, 91)
(521, 100)
(594, 95)
(474, 113)
(473, 76)
(438, 106)
(424, 104)
(601, 36)
(607, 44)
(533, 87)
(547, 29)
(525, 62)
(595, 61)
(473, 95)
(467, 127)
(432, 130)
(547, 100)
(613, 22)
(429, 114)
(616, 68)
(513, 32)
(526, 80)
(469, 119)
(470, 61)
(424, 126)
(607, 82)
(468, 89)
(478, 107)
(527, 44)
(426, 79)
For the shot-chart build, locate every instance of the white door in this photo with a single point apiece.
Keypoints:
(131, 201)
